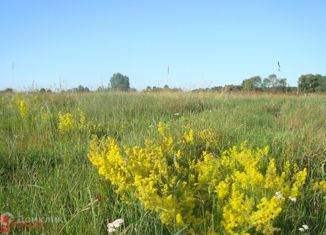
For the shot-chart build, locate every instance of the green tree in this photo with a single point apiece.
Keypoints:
(271, 81)
(275, 84)
(267, 83)
(312, 83)
(80, 88)
(231, 87)
(166, 87)
(282, 82)
(322, 84)
(119, 82)
(8, 90)
(252, 83)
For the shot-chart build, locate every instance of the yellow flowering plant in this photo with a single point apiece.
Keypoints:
(320, 186)
(192, 188)
(69, 121)
(22, 109)
(65, 122)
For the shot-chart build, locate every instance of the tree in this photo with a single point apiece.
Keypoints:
(251, 84)
(271, 81)
(231, 87)
(275, 84)
(80, 88)
(312, 83)
(267, 83)
(282, 82)
(247, 85)
(321, 84)
(148, 88)
(9, 90)
(119, 82)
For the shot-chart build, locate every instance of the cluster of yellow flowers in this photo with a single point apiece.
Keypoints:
(320, 186)
(68, 122)
(181, 178)
(22, 109)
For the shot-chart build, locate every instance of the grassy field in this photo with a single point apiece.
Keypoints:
(45, 172)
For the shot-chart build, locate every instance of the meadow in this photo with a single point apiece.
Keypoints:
(46, 172)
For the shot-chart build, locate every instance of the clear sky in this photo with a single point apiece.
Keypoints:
(204, 43)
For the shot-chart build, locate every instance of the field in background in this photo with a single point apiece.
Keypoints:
(45, 173)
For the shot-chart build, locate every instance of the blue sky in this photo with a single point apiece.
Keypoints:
(205, 43)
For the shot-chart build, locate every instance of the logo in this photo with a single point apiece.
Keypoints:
(5, 222)
(10, 222)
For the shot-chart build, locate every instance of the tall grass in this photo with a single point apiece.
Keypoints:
(47, 174)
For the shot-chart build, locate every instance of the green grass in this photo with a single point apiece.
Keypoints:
(46, 174)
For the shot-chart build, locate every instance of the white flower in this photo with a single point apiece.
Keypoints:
(176, 114)
(305, 227)
(279, 195)
(293, 199)
(151, 126)
(301, 229)
(114, 225)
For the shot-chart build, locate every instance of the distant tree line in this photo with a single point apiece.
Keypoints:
(164, 88)
(271, 83)
(80, 88)
(306, 83)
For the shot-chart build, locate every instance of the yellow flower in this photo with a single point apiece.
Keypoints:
(65, 122)
(68, 122)
(21, 107)
(267, 211)
(162, 128)
(189, 136)
(320, 186)
(188, 188)
(179, 219)
(222, 190)
(300, 179)
(236, 211)
(270, 175)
